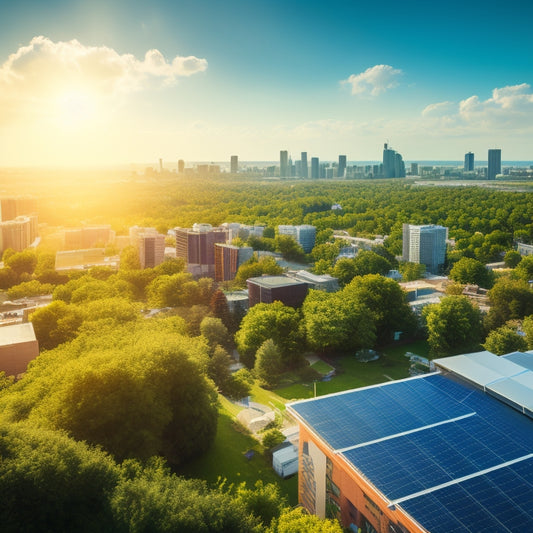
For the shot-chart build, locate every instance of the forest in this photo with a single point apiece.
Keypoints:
(120, 398)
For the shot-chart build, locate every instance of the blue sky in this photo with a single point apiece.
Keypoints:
(436, 80)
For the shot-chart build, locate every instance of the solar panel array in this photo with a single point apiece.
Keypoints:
(444, 450)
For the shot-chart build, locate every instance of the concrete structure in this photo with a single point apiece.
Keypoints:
(18, 346)
(88, 237)
(469, 162)
(304, 235)
(494, 163)
(285, 460)
(426, 245)
(323, 282)
(84, 259)
(242, 231)
(12, 207)
(151, 248)
(237, 301)
(304, 170)
(393, 165)
(197, 247)
(440, 452)
(19, 233)
(315, 170)
(228, 259)
(283, 164)
(525, 249)
(268, 289)
(181, 166)
(341, 169)
(234, 164)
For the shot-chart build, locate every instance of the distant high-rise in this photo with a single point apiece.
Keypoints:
(414, 169)
(304, 235)
(495, 163)
(425, 245)
(283, 164)
(151, 249)
(314, 168)
(181, 166)
(234, 164)
(228, 259)
(469, 162)
(393, 165)
(160, 165)
(303, 165)
(341, 169)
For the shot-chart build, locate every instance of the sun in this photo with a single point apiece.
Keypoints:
(75, 108)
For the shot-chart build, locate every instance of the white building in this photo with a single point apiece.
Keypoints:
(425, 244)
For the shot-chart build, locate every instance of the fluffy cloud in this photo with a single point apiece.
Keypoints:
(374, 80)
(509, 108)
(38, 72)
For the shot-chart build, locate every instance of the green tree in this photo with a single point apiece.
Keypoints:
(505, 340)
(272, 437)
(509, 299)
(524, 270)
(254, 268)
(290, 249)
(512, 258)
(387, 303)
(334, 322)
(218, 368)
(55, 324)
(297, 520)
(412, 271)
(454, 326)
(214, 330)
(219, 308)
(29, 289)
(264, 501)
(268, 363)
(527, 326)
(22, 262)
(472, 271)
(8, 278)
(240, 384)
(274, 321)
(344, 270)
(129, 258)
(50, 482)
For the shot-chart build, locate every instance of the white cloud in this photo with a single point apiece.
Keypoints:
(37, 73)
(374, 80)
(437, 109)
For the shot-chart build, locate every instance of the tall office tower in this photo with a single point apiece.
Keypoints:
(181, 166)
(197, 247)
(228, 259)
(151, 247)
(469, 162)
(160, 165)
(414, 169)
(283, 164)
(495, 163)
(393, 165)
(290, 168)
(341, 169)
(234, 164)
(304, 169)
(314, 168)
(425, 244)
(304, 235)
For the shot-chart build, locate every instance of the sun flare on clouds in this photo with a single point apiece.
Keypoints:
(52, 88)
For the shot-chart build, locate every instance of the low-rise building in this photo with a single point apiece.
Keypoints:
(18, 346)
(268, 289)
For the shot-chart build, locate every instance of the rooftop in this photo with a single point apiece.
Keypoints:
(275, 281)
(16, 334)
(453, 457)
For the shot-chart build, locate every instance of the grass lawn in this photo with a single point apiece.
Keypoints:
(351, 374)
(322, 367)
(226, 460)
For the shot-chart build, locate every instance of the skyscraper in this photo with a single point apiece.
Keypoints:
(314, 168)
(234, 164)
(283, 164)
(469, 162)
(393, 165)
(341, 169)
(181, 166)
(303, 165)
(425, 245)
(495, 163)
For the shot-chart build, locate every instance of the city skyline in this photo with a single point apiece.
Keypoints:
(106, 83)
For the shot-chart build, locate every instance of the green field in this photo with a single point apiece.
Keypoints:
(226, 460)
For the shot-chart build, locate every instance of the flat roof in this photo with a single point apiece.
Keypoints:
(16, 334)
(275, 281)
(451, 456)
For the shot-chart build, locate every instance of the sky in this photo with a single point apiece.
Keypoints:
(109, 82)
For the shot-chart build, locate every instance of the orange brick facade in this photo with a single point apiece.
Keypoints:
(329, 487)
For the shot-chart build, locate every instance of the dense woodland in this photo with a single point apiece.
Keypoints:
(118, 398)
